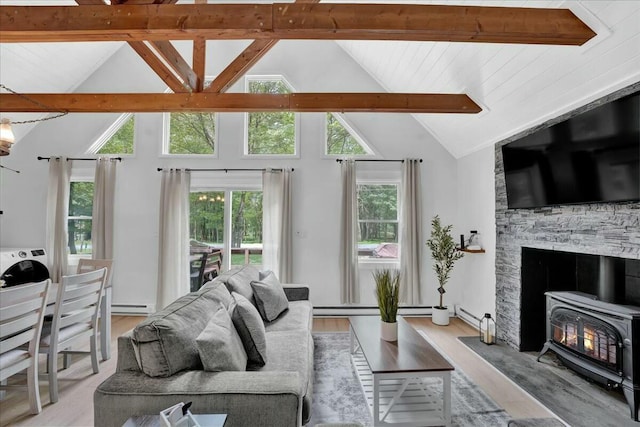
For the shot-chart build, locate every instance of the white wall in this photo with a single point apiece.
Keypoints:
(476, 211)
(309, 66)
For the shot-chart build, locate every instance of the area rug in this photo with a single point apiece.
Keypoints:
(570, 396)
(337, 396)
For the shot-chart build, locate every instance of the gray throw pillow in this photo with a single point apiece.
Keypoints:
(271, 301)
(220, 346)
(240, 281)
(250, 327)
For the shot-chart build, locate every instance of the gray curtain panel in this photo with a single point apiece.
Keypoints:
(57, 216)
(411, 242)
(104, 191)
(349, 286)
(173, 262)
(276, 223)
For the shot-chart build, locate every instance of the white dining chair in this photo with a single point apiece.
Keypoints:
(21, 315)
(75, 319)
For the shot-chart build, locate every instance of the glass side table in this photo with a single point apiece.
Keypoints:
(208, 420)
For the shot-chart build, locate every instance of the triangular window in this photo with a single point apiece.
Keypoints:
(343, 140)
(118, 139)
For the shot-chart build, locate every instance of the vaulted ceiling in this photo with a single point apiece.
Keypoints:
(517, 85)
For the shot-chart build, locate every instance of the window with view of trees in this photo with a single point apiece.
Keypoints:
(340, 140)
(207, 224)
(79, 219)
(378, 218)
(271, 133)
(192, 133)
(121, 142)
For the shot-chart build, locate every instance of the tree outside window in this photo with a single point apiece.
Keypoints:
(192, 133)
(339, 139)
(378, 219)
(271, 133)
(120, 142)
(207, 224)
(79, 219)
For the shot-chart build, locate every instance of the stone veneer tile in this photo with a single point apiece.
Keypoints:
(598, 229)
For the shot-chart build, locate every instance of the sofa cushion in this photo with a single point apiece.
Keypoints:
(239, 280)
(220, 346)
(299, 316)
(292, 351)
(269, 296)
(217, 290)
(249, 325)
(165, 342)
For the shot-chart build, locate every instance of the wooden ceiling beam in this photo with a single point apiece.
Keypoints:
(239, 66)
(239, 102)
(243, 62)
(152, 59)
(335, 21)
(199, 56)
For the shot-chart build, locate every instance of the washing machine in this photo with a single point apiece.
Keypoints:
(18, 266)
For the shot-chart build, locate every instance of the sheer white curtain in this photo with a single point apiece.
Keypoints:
(410, 232)
(173, 259)
(349, 287)
(57, 216)
(276, 223)
(104, 189)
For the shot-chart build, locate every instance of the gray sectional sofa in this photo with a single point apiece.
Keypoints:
(164, 345)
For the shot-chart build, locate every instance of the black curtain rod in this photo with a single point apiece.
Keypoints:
(228, 170)
(12, 170)
(80, 158)
(375, 160)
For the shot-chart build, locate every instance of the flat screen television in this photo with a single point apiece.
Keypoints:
(593, 157)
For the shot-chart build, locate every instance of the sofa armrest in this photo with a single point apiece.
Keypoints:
(126, 354)
(296, 292)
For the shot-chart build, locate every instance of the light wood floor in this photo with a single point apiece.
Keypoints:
(75, 405)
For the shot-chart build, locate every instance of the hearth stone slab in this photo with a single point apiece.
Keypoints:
(535, 422)
(575, 400)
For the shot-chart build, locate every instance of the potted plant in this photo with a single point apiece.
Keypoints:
(445, 254)
(388, 293)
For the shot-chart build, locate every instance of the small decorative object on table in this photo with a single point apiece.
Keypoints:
(388, 294)
(178, 416)
(487, 329)
(445, 254)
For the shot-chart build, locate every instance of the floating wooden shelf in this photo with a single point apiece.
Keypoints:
(472, 251)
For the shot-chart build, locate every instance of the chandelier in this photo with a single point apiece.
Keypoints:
(7, 138)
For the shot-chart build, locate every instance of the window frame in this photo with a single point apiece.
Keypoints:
(166, 140)
(78, 176)
(229, 185)
(110, 132)
(355, 133)
(387, 180)
(296, 121)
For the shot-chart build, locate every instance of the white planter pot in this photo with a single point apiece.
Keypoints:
(440, 316)
(389, 331)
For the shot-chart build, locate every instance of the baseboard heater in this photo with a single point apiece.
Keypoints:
(367, 311)
(470, 318)
(133, 309)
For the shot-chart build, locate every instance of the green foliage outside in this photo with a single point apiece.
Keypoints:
(80, 205)
(339, 140)
(122, 141)
(271, 133)
(378, 213)
(444, 253)
(192, 133)
(387, 293)
(206, 222)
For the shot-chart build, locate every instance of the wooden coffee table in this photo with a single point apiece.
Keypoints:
(394, 375)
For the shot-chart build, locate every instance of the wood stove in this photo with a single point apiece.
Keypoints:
(597, 339)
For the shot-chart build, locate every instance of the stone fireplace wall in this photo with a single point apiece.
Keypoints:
(599, 229)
